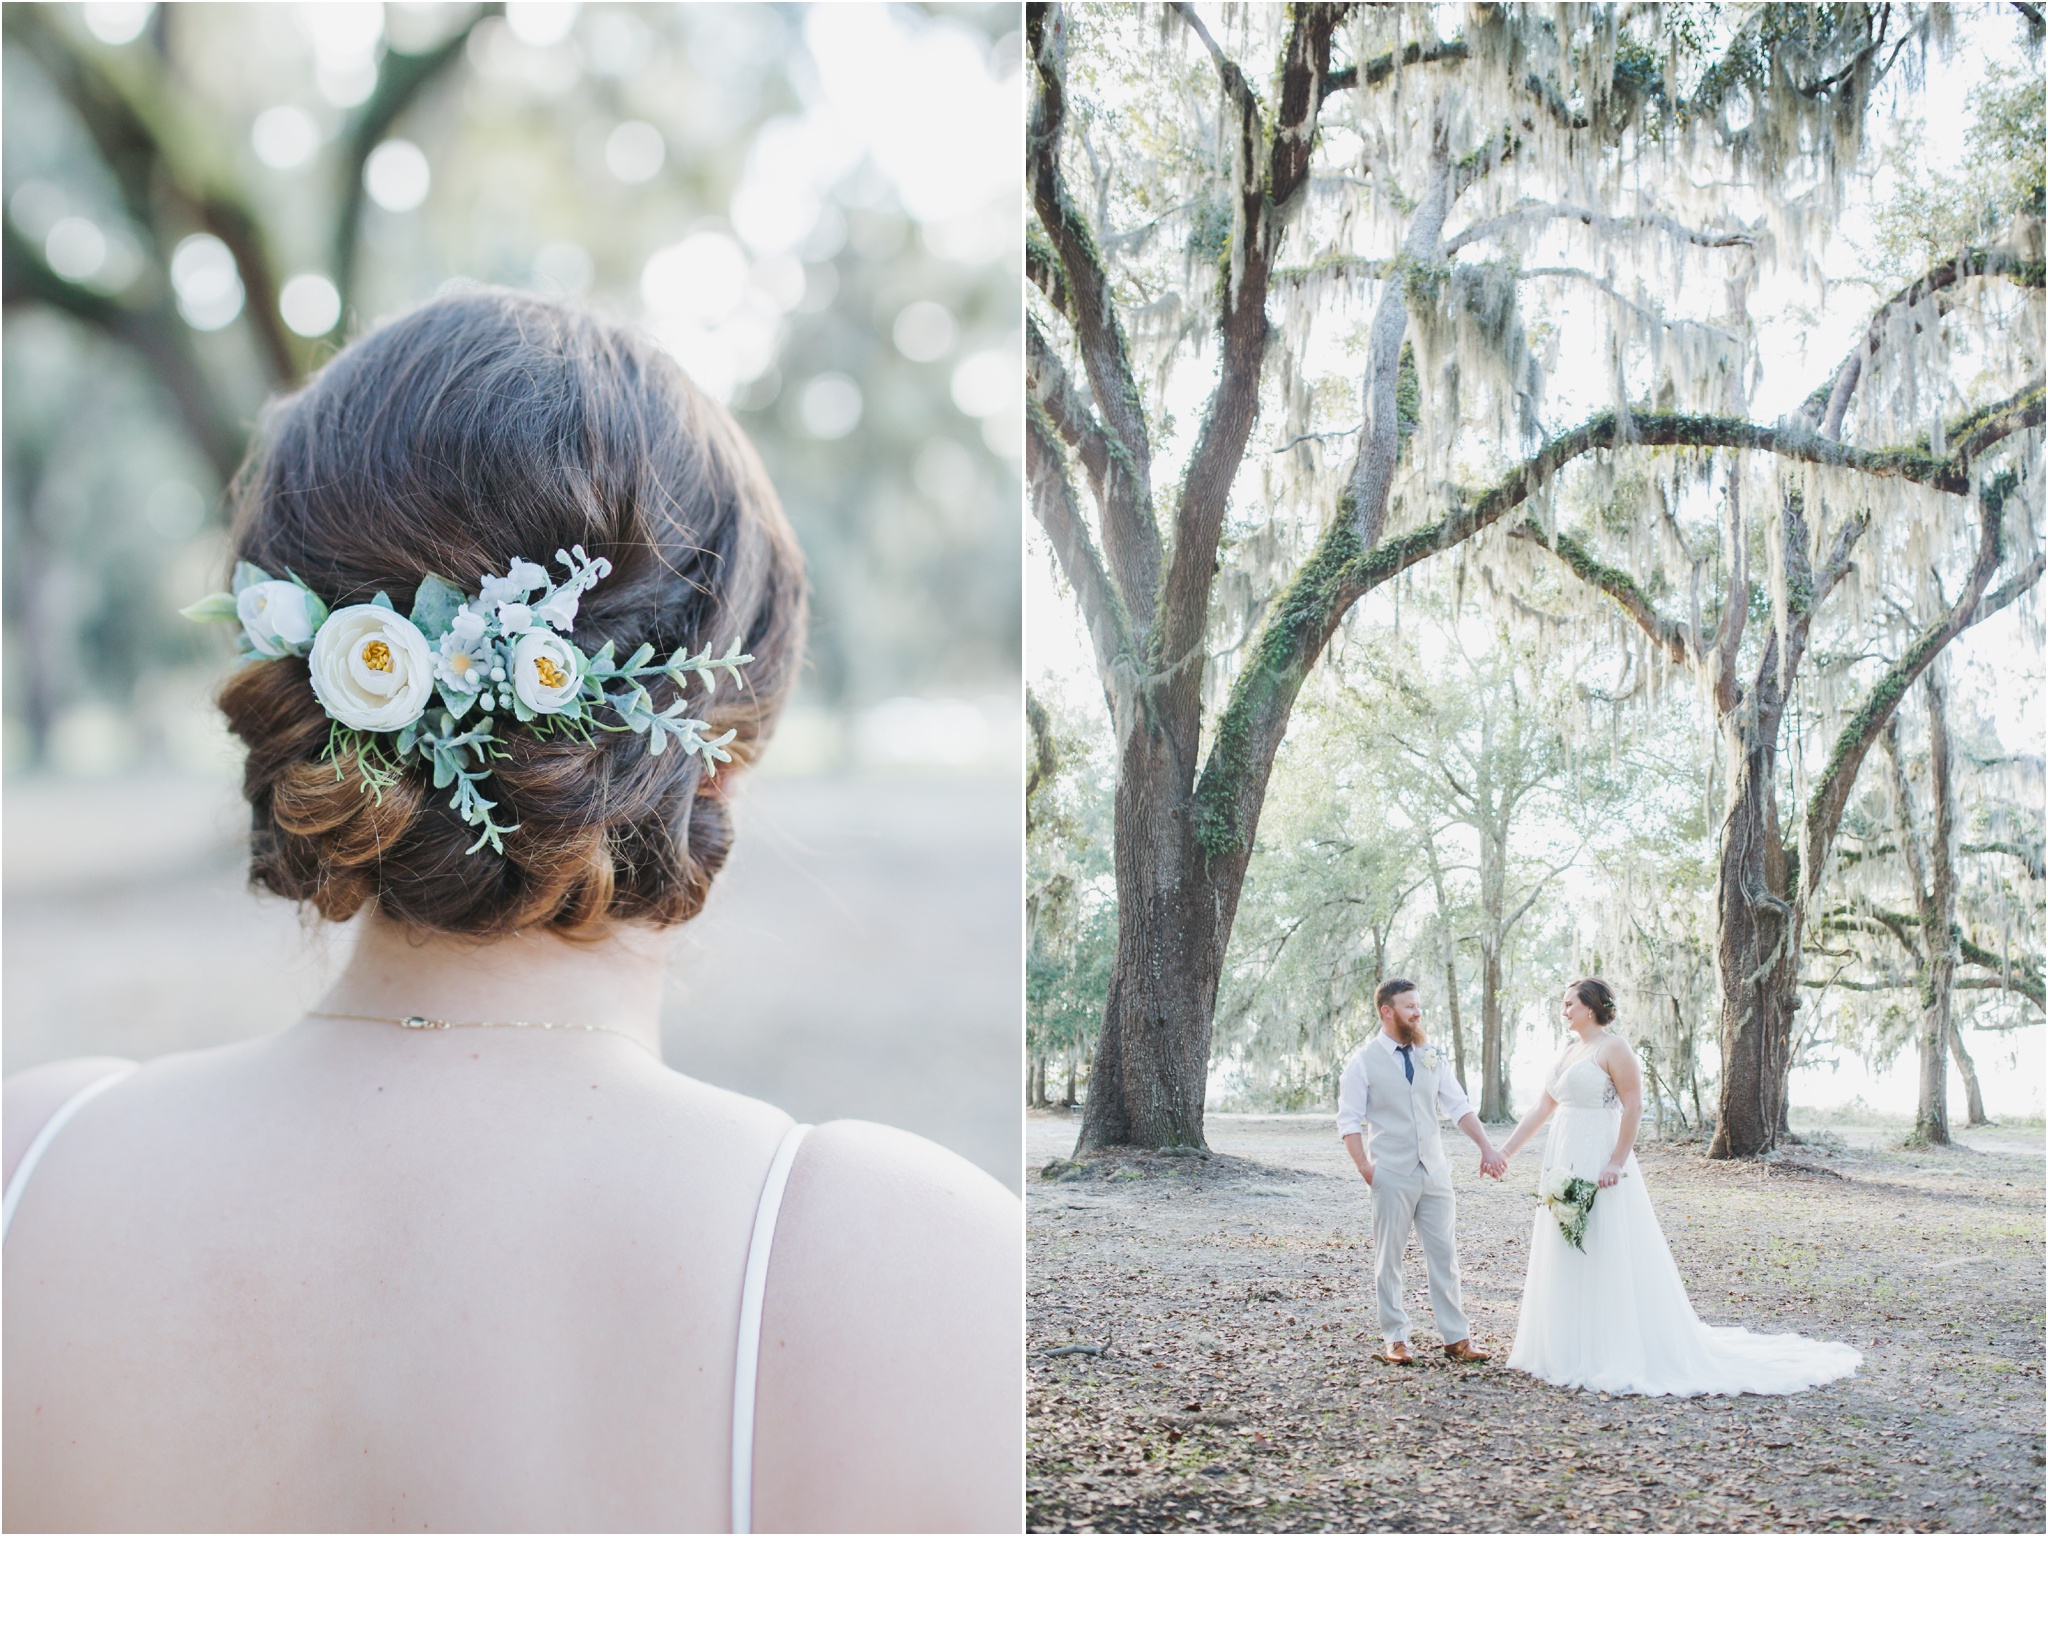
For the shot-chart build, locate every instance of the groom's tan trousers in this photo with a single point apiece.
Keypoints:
(1415, 1202)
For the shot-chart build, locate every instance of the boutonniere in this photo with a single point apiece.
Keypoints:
(1429, 1056)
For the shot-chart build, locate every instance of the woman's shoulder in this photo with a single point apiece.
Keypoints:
(878, 1205)
(894, 1169)
(1614, 1053)
(892, 1349)
(28, 1100)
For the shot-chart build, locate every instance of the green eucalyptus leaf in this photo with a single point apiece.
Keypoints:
(217, 609)
(434, 607)
(246, 575)
(382, 600)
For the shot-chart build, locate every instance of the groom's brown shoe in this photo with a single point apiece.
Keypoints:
(1465, 1352)
(1394, 1352)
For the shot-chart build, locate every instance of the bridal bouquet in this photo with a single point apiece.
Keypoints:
(1569, 1199)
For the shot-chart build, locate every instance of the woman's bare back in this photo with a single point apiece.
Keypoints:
(331, 1280)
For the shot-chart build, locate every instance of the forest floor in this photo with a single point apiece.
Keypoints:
(1229, 1295)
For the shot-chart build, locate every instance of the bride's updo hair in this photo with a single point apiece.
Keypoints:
(483, 426)
(1596, 997)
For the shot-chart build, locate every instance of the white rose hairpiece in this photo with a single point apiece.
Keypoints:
(502, 652)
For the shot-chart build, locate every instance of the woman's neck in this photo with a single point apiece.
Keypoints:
(532, 976)
(1588, 1032)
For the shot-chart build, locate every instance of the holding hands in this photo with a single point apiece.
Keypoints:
(1492, 1162)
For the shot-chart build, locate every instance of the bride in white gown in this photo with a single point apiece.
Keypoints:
(1613, 1316)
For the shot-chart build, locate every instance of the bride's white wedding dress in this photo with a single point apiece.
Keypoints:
(1615, 1317)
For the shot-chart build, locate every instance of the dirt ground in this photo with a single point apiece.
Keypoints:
(1230, 1298)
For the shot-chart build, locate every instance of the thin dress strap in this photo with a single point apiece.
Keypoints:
(747, 1365)
(44, 1137)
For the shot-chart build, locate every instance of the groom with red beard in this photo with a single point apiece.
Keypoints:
(1393, 1095)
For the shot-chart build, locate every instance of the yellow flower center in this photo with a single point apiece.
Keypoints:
(377, 656)
(550, 673)
(461, 663)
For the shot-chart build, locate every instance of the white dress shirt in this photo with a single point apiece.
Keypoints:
(1354, 1091)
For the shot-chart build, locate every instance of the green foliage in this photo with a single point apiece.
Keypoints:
(1932, 216)
(1435, 780)
(1070, 883)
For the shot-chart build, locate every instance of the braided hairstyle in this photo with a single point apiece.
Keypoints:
(483, 426)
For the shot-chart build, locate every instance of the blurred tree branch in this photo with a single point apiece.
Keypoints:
(401, 82)
(163, 152)
(149, 144)
(154, 330)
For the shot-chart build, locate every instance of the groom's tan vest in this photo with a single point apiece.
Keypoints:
(1405, 1123)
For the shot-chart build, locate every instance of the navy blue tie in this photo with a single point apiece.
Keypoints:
(1407, 1063)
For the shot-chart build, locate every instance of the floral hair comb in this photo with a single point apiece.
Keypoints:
(500, 652)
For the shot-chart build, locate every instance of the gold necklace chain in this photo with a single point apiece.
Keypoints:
(440, 1023)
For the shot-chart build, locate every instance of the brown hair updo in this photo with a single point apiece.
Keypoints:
(1596, 997)
(483, 426)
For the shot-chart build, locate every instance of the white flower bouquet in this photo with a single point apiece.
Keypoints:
(375, 672)
(1569, 1199)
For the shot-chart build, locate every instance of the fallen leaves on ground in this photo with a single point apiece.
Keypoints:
(1234, 1390)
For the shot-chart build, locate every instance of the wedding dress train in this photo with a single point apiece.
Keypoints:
(1614, 1317)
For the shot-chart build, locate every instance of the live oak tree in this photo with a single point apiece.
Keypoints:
(1935, 916)
(1382, 165)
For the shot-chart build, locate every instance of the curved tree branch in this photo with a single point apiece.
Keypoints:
(1088, 304)
(163, 197)
(1342, 568)
(2024, 977)
(1617, 585)
(1830, 403)
(1380, 69)
(1058, 511)
(155, 331)
(1831, 796)
(1331, 267)
(1127, 529)
(1497, 225)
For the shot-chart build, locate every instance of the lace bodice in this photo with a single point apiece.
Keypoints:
(1585, 1084)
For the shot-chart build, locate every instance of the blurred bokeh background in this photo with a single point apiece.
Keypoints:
(815, 208)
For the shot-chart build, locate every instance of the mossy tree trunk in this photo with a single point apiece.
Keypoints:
(1755, 955)
(1446, 930)
(1174, 909)
(1968, 1069)
(1144, 589)
(1928, 853)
